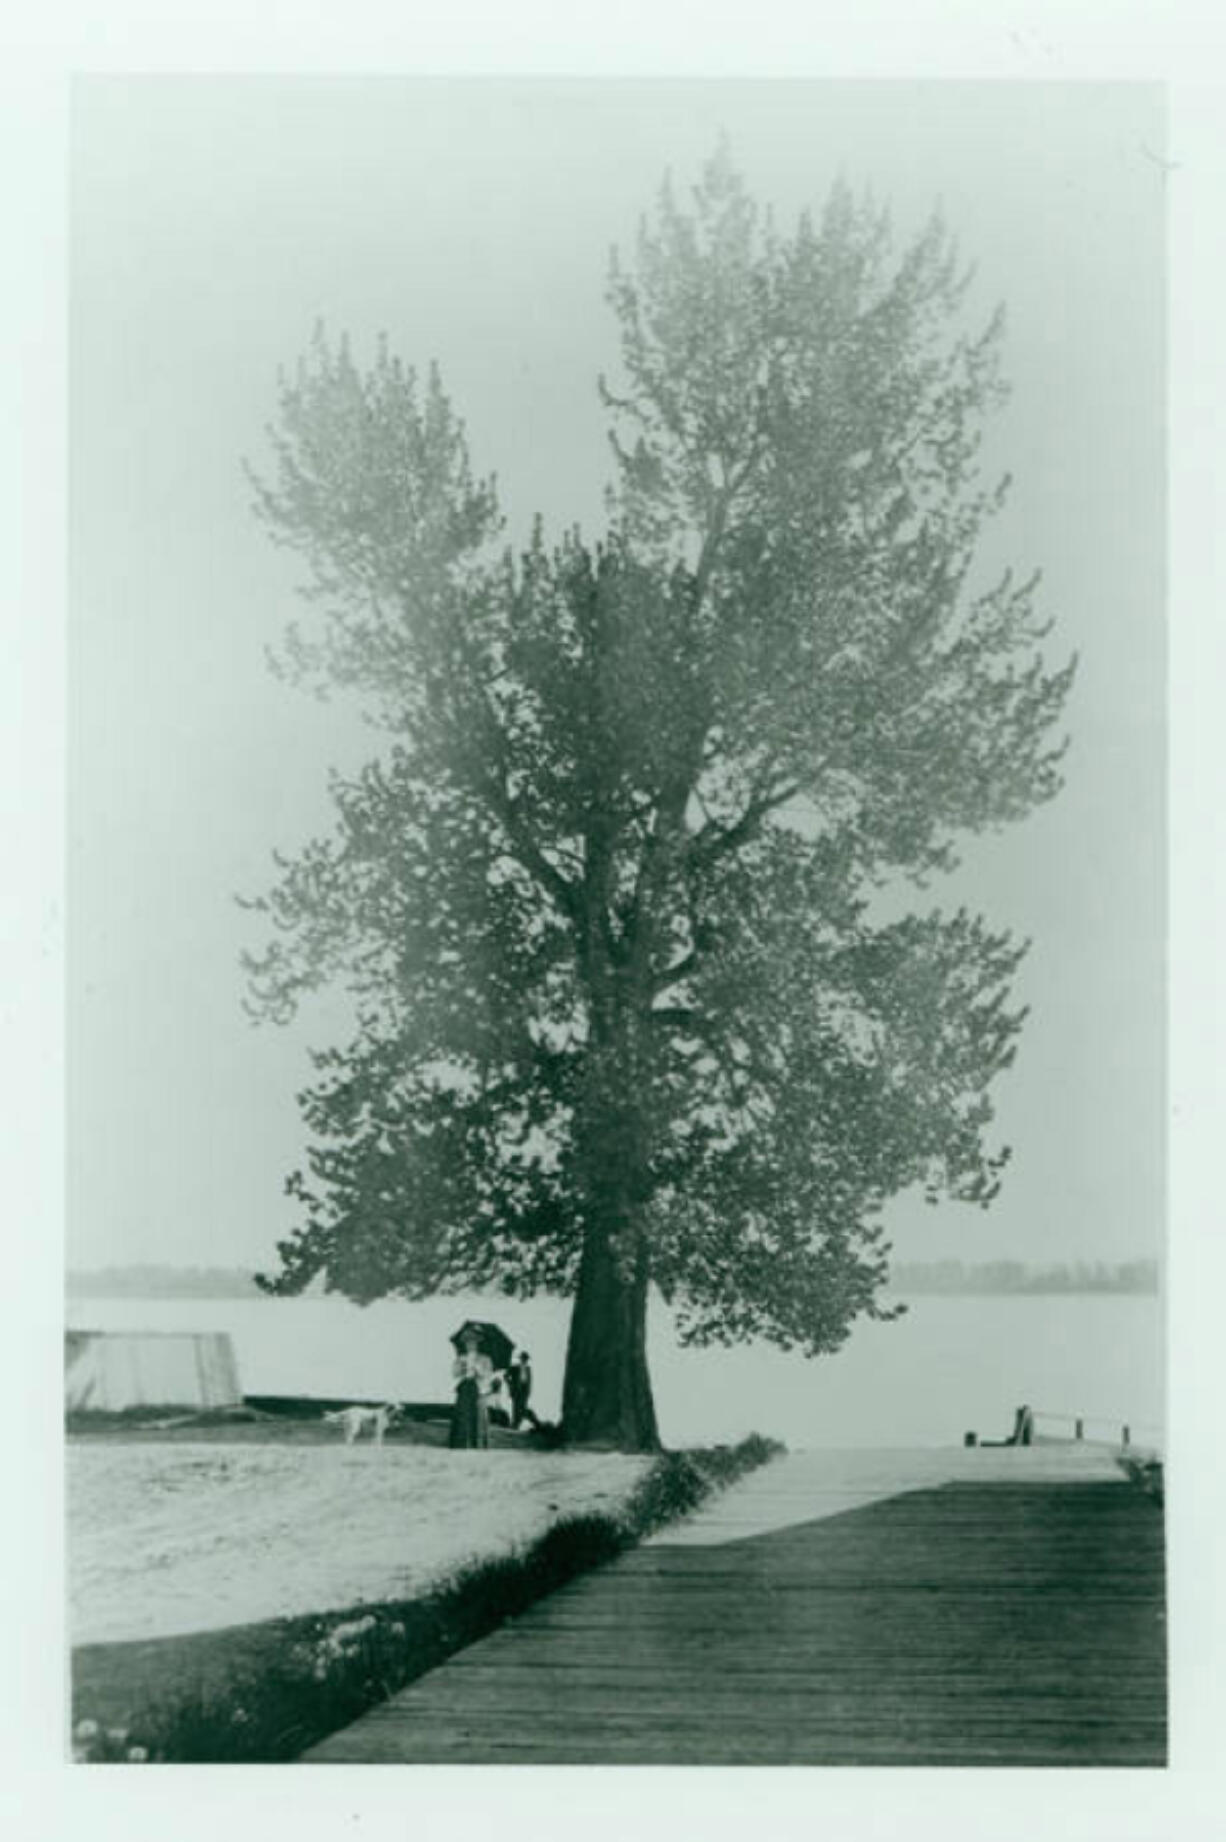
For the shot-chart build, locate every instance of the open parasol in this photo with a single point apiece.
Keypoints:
(492, 1341)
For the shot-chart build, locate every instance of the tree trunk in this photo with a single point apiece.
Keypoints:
(606, 1395)
(606, 1391)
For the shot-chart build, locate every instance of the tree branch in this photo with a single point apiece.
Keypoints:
(707, 846)
(506, 806)
(678, 1017)
(528, 851)
(734, 479)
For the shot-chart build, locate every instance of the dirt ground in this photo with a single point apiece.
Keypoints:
(171, 1536)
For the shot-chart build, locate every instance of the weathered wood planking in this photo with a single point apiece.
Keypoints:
(975, 1624)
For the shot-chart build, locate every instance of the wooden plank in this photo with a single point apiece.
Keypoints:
(924, 1609)
(626, 1675)
(566, 1746)
(864, 1714)
(781, 1752)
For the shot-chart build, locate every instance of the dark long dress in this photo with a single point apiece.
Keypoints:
(470, 1424)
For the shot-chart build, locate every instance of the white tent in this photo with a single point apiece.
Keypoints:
(108, 1371)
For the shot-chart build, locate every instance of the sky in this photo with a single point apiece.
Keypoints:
(214, 220)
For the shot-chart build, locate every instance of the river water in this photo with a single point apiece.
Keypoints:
(949, 1366)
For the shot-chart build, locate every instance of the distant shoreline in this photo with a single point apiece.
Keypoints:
(923, 1279)
(1013, 1278)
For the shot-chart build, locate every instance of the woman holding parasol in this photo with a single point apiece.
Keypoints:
(478, 1348)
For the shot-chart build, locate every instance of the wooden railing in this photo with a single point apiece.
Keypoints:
(1105, 1431)
(1026, 1430)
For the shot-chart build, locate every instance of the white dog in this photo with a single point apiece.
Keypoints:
(353, 1419)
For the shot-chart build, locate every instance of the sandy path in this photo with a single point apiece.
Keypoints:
(186, 1537)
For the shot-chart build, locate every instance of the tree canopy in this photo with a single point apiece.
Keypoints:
(627, 1011)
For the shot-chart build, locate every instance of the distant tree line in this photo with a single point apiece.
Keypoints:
(930, 1277)
(152, 1281)
(995, 1276)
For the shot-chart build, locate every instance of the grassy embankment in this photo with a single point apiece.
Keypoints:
(266, 1692)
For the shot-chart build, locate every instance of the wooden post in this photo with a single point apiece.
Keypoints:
(1127, 1439)
(1023, 1427)
(1079, 1429)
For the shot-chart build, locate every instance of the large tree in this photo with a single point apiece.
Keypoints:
(629, 1009)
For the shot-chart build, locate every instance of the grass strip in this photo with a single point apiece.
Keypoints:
(266, 1692)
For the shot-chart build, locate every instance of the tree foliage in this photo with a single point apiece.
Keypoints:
(606, 901)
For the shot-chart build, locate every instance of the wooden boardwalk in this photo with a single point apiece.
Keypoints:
(1011, 1616)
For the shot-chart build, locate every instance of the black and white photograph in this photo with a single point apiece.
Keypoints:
(616, 889)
